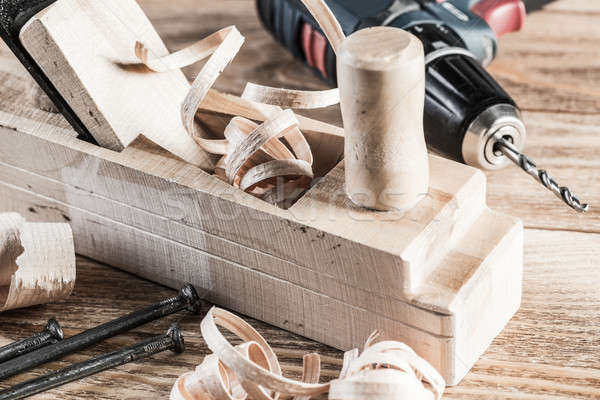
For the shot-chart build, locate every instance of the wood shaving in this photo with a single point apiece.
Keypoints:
(37, 262)
(289, 98)
(327, 21)
(254, 157)
(229, 104)
(385, 370)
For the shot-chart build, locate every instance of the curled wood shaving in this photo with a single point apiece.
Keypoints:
(327, 21)
(229, 104)
(37, 262)
(187, 56)
(273, 169)
(250, 370)
(289, 98)
(253, 156)
(384, 370)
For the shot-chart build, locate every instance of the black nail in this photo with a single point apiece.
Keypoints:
(50, 335)
(186, 299)
(172, 340)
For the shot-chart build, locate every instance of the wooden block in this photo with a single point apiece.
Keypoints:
(205, 203)
(288, 305)
(86, 49)
(444, 276)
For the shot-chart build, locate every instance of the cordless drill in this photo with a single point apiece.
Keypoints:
(465, 108)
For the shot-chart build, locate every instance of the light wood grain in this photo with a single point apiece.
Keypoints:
(548, 351)
(483, 248)
(87, 51)
(381, 75)
(442, 256)
(37, 262)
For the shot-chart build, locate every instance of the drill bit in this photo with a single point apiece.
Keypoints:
(564, 193)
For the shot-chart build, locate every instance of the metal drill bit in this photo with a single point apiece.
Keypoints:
(172, 340)
(562, 192)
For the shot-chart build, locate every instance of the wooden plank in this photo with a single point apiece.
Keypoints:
(558, 300)
(573, 6)
(557, 64)
(203, 202)
(501, 271)
(320, 282)
(496, 283)
(231, 285)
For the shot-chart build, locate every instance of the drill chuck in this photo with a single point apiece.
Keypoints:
(479, 143)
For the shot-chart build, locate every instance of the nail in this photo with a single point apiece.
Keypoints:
(186, 299)
(172, 340)
(50, 335)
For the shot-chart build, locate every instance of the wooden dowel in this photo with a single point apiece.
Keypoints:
(381, 75)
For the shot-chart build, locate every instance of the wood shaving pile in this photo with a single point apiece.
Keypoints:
(384, 370)
(254, 158)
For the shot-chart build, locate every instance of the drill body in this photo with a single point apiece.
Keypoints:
(464, 106)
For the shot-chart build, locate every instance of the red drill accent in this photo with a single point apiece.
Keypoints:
(503, 16)
(314, 46)
(307, 32)
(319, 47)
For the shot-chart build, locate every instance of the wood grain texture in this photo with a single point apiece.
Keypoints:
(552, 70)
(85, 49)
(482, 248)
(381, 76)
(550, 350)
(37, 262)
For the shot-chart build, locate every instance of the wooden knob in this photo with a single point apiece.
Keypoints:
(381, 76)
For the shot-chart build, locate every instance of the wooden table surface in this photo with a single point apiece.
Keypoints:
(549, 350)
